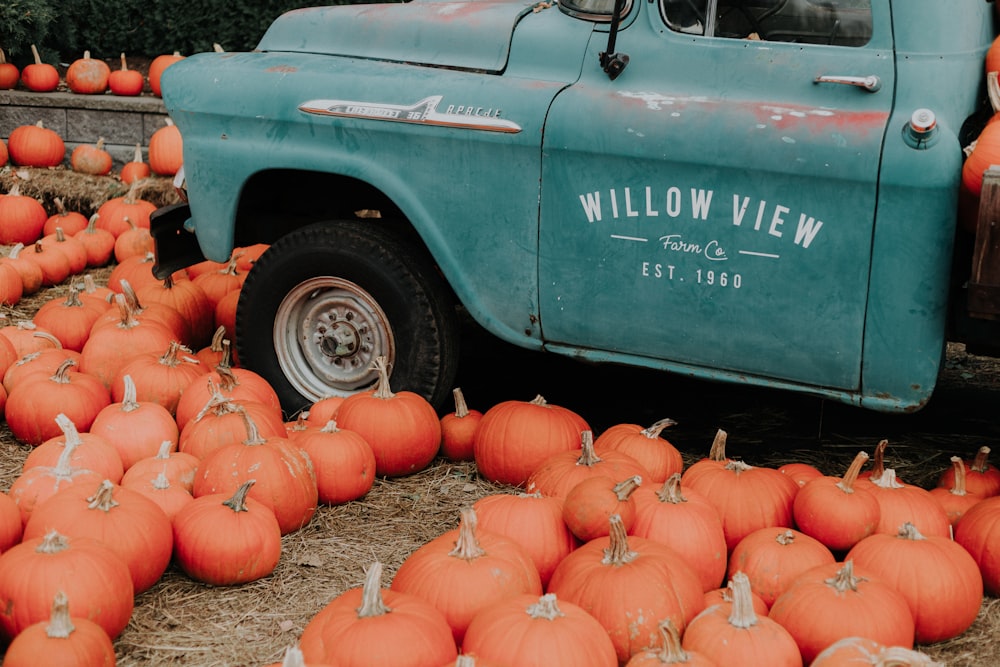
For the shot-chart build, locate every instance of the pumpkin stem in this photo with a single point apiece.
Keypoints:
(70, 433)
(887, 480)
(372, 603)
(73, 297)
(785, 538)
(125, 312)
(467, 545)
(908, 531)
(382, 388)
(165, 448)
(61, 376)
(161, 482)
(588, 455)
(227, 378)
(60, 625)
(45, 335)
(254, 437)
(845, 579)
(52, 543)
(846, 484)
(653, 431)
(104, 499)
(670, 492)
(546, 608)
(171, 357)
(742, 614)
(958, 486)
(238, 502)
(461, 407)
(878, 461)
(672, 651)
(627, 487)
(980, 464)
(129, 402)
(38, 61)
(617, 551)
(718, 450)
(538, 400)
(738, 467)
(330, 427)
(217, 339)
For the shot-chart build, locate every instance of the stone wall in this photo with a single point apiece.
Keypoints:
(82, 119)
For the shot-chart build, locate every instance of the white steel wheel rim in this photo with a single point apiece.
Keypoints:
(327, 333)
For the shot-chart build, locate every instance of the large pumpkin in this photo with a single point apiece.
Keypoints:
(546, 631)
(771, 558)
(837, 511)
(94, 578)
(35, 146)
(402, 427)
(629, 584)
(516, 437)
(63, 640)
(562, 471)
(979, 532)
(370, 625)
(88, 76)
(465, 570)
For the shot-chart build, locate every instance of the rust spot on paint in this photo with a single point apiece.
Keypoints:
(283, 69)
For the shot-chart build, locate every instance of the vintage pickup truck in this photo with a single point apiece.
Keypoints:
(755, 191)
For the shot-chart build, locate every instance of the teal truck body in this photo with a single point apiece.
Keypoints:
(755, 191)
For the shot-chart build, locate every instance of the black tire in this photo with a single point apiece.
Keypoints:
(323, 301)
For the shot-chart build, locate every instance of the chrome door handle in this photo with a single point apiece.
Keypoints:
(870, 83)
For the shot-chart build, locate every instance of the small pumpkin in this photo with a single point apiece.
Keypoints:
(71, 222)
(135, 169)
(351, 630)
(837, 511)
(99, 243)
(344, 463)
(562, 471)
(158, 66)
(39, 77)
(458, 428)
(126, 82)
(646, 445)
(589, 505)
(955, 501)
(166, 150)
(22, 218)
(9, 76)
(91, 159)
(982, 478)
(135, 428)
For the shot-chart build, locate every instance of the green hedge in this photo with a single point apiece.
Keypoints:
(64, 30)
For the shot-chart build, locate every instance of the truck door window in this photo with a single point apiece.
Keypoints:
(834, 22)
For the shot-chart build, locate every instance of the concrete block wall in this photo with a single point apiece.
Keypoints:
(82, 119)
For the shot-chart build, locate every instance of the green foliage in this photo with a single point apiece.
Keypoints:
(23, 23)
(64, 30)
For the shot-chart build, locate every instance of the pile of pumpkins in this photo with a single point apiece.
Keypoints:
(86, 75)
(152, 446)
(40, 146)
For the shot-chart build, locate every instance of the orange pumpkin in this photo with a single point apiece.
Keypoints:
(981, 477)
(63, 640)
(157, 67)
(402, 427)
(98, 243)
(112, 214)
(135, 428)
(737, 635)
(135, 528)
(955, 501)
(670, 653)
(351, 630)
(562, 471)
(178, 468)
(70, 222)
(531, 631)
(837, 600)
(136, 169)
(30, 272)
(285, 480)
(224, 539)
(166, 150)
(22, 218)
(39, 77)
(35, 146)
(516, 437)
(94, 160)
(837, 511)
(979, 533)
(32, 572)
(160, 377)
(126, 82)
(343, 460)
(771, 558)
(466, 570)
(532, 520)
(629, 584)
(685, 521)
(645, 445)
(69, 319)
(37, 484)
(938, 578)
(589, 505)
(89, 452)
(9, 76)
(901, 503)
(458, 429)
(88, 76)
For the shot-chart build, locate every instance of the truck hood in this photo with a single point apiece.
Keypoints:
(474, 34)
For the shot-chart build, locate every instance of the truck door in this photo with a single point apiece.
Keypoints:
(711, 209)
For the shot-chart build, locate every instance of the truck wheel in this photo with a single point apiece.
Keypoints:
(324, 301)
